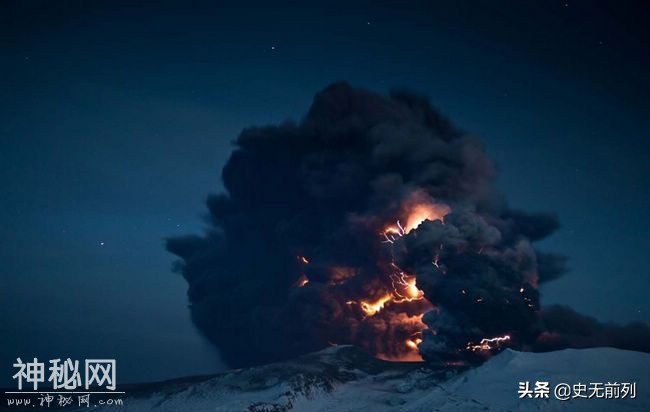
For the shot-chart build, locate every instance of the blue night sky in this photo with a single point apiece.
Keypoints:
(116, 120)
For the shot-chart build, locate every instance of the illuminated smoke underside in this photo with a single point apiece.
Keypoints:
(373, 222)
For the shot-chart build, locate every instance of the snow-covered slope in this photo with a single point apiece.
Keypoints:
(344, 378)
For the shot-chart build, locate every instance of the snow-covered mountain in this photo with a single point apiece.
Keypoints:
(344, 378)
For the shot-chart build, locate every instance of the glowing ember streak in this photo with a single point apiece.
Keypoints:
(302, 281)
(303, 259)
(436, 261)
(487, 344)
(405, 288)
(397, 229)
(391, 233)
(372, 308)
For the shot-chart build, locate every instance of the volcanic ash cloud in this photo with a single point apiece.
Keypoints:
(374, 222)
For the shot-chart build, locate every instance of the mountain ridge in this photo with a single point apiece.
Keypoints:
(345, 378)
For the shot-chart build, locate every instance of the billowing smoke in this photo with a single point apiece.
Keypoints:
(566, 328)
(372, 222)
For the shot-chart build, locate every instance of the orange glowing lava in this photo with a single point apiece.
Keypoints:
(405, 288)
(410, 351)
(371, 308)
(413, 343)
(397, 304)
(425, 211)
(416, 212)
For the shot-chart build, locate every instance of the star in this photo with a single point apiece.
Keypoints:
(101, 243)
(272, 47)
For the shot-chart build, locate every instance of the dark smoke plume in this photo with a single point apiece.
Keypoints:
(566, 328)
(317, 241)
